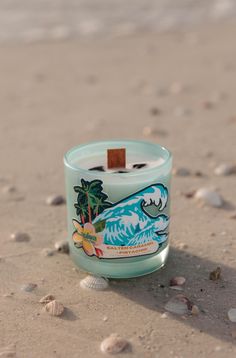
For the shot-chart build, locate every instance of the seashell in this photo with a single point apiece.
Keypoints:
(207, 104)
(232, 314)
(179, 305)
(29, 287)
(195, 310)
(225, 169)
(189, 194)
(177, 281)
(176, 288)
(215, 274)
(54, 308)
(9, 189)
(147, 131)
(154, 111)
(182, 245)
(176, 88)
(55, 200)
(198, 173)
(11, 294)
(114, 344)
(20, 237)
(209, 197)
(232, 216)
(94, 283)
(62, 246)
(181, 111)
(46, 299)
(181, 172)
(8, 354)
(165, 315)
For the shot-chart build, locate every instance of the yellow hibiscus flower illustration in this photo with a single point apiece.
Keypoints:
(87, 238)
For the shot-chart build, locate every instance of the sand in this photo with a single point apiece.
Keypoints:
(56, 95)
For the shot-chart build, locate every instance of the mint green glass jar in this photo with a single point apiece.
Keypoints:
(118, 221)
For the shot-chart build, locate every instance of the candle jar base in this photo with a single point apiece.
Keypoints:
(122, 268)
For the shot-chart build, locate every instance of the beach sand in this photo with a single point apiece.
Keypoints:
(57, 95)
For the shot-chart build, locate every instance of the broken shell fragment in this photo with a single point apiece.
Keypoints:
(55, 200)
(54, 308)
(209, 197)
(225, 169)
(20, 237)
(177, 288)
(177, 281)
(114, 344)
(195, 310)
(62, 246)
(94, 283)
(232, 314)
(179, 304)
(215, 274)
(46, 299)
(29, 287)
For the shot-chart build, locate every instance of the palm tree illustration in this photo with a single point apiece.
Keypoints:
(91, 200)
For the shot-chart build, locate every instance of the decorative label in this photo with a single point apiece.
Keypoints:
(127, 228)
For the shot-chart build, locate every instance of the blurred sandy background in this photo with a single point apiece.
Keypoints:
(76, 71)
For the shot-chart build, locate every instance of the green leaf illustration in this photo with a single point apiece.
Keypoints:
(100, 225)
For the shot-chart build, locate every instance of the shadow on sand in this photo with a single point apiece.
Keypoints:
(214, 298)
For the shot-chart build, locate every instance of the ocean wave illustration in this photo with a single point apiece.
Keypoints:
(129, 224)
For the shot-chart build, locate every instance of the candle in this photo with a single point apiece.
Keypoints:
(118, 218)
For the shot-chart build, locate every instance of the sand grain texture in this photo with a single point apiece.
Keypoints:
(47, 105)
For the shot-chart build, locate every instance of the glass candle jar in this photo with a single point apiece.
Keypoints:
(118, 219)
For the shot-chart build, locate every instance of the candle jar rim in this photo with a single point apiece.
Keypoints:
(117, 143)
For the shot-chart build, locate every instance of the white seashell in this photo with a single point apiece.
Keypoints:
(62, 246)
(177, 281)
(182, 245)
(181, 172)
(209, 197)
(54, 308)
(94, 283)
(176, 288)
(29, 287)
(114, 344)
(232, 314)
(46, 299)
(179, 305)
(181, 111)
(225, 169)
(165, 315)
(147, 131)
(55, 200)
(20, 237)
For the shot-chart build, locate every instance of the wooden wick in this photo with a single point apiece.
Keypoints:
(116, 158)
